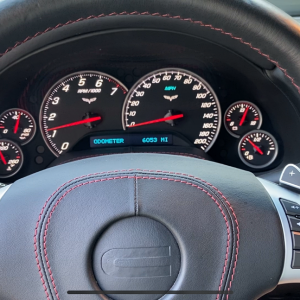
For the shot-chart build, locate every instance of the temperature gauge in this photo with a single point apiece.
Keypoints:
(17, 125)
(258, 149)
(242, 117)
(11, 158)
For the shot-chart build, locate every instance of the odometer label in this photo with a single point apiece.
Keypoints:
(131, 140)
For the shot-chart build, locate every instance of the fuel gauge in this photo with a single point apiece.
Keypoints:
(242, 117)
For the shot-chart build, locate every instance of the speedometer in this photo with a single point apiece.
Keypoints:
(78, 105)
(174, 100)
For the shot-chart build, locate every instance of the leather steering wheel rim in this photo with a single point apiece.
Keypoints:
(254, 29)
(78, 233)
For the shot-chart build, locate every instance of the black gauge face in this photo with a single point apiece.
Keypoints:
(11, 158)
(242, 117)
(17, 125)
(258, 149)
(79, 104)
(174, 100)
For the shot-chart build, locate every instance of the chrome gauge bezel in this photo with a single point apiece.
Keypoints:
(31, 117)
(175, 70)
(61, 80)
(261, 166)
(246, 102)
(22, 158)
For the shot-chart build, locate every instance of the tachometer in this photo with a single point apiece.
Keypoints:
(174, 100)
(78, 104)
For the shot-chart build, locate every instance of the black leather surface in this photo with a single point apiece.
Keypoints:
(77, 221)
(260, 247)
(234, 23)
(137, 254)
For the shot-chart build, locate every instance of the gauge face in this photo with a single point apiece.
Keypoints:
(242, 117)
(177, 101)
(79, 104)
(11, 158)
(17, 125)
(258, 149)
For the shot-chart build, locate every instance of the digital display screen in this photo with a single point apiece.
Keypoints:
(130, 140)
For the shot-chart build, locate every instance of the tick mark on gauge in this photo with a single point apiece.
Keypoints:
(199, 123)
(242, 117)
(256, 149)
(74, 118)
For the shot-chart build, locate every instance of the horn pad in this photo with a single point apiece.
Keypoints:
(136, 254)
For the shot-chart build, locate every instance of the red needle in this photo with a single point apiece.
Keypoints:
(257, 149)
(244, 116)
(158, 120)
(89, 120)
(17, 125)
(3, 158)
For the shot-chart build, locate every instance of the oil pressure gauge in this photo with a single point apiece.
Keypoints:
(258, 149)
(18, 125)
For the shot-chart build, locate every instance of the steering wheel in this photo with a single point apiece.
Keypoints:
(147, 226)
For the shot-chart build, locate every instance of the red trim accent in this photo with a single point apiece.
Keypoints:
(89, 120)
(200, 23)
(244, 116)
(17, 124)
(158, 120)
(137, 177)
(256, 148)
(3, 158)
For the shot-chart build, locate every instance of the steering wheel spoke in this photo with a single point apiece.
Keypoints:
(290, 273)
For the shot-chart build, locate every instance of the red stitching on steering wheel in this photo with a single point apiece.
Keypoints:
(164, 16)
(136, 177)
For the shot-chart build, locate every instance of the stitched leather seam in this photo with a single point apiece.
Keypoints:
(98, 155)
(140, 170)
(135, 178)
(135, 198)
(235, 219)
(200, 23)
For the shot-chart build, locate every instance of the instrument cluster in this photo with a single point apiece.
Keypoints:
(169, 107)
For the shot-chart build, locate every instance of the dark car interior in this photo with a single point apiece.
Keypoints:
(149, 149)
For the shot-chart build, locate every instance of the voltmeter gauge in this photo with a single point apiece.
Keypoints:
(18, 125)
(258, 149)
(11, 158)
(242, 117)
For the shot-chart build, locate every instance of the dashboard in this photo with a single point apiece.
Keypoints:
(160, 92)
